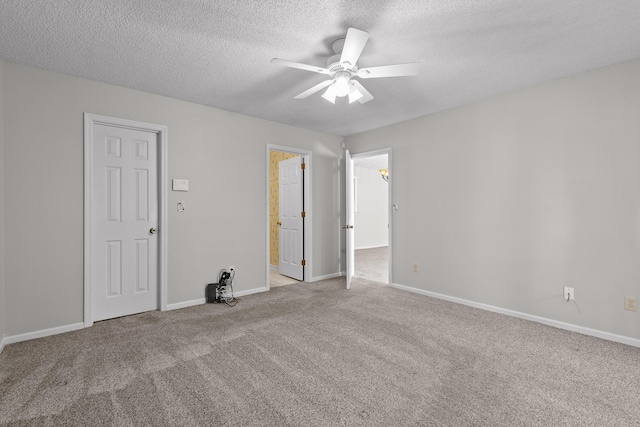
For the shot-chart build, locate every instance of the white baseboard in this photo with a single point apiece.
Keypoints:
(371, 247)
(326, 277)
(549, 322)
(75, 326)
(250, 291)
(199, 301)
(185, 304)
(42, 333)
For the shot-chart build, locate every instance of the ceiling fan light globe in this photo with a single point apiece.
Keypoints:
(354, 94)
(330, 94)
(342, 84)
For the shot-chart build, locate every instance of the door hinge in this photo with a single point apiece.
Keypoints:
(303, 214)
(303, 166)
(303, 262)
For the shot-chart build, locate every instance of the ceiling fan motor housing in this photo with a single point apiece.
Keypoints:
(334, 66)
(333, 63)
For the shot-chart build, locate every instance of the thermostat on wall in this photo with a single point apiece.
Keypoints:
(180, 185)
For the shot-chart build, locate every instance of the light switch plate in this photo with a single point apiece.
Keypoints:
(180, 185)
(568, 294)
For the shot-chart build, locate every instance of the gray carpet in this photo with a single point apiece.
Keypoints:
(314, 355)
(372, 264)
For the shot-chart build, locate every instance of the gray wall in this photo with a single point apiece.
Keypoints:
(223, 155)
(2, 167)
(371, 220)
(506, 201)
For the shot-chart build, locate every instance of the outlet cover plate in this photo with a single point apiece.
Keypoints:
(631, 303)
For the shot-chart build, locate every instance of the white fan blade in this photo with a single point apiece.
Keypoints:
(366, 96)
(398, 70)
(300, 66)
(353, 45)
(314, 89)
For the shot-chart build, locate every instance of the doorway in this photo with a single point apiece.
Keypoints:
(125, 218)
(372, 216)
(288, 216)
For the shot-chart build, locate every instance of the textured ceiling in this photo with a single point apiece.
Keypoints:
(217, 53)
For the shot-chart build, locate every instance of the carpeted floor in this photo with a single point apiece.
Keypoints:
(372, 264)
(314, 354)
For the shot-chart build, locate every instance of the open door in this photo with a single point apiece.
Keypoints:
(349, 218)
(291, 246)
(372, 222)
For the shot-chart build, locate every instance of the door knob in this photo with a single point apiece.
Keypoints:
(153, 230)
(279, 223)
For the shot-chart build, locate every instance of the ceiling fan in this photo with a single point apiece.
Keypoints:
(342, 68)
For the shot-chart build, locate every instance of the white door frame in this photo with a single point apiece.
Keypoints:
(386, 151)
(89, 121)
(308, 220)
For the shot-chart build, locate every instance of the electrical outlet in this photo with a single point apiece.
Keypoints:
(415, 268)
(568, 294)
(630, 303)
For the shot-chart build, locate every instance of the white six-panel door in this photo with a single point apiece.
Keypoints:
(124, 222)
(291, 228)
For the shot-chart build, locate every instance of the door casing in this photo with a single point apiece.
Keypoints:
(89, 121)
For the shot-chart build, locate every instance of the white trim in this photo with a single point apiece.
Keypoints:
(199, 301)
(250, 291)
(371, 247)
(308, 198)
(388, 152)
(76, 326)
(185, 304)
(162, 131)
(549, 322)
(42, 333)
(327, 277)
